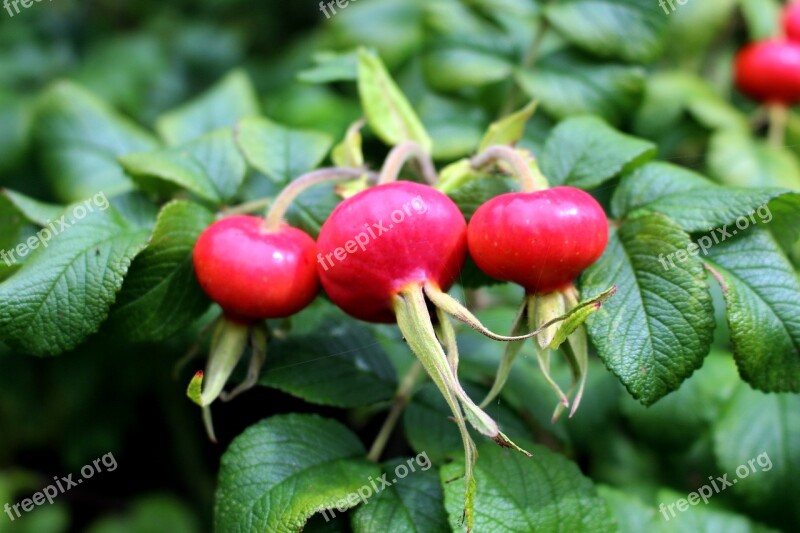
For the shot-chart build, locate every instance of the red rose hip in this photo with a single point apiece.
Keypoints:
(384, 239)
(791, 21)
(253, 273)
(769, 71)
(541, 240)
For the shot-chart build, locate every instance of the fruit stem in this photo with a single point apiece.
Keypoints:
(778, 119)
(276, 213)
(401, 399)
(529, 178)
(247, 207)
(400, 155)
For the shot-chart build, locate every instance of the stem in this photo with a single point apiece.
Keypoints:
(520, 168)
(247, 207)
(297, 187)
(401, 399)
(778, 119)
(528, 62)
(401, 154)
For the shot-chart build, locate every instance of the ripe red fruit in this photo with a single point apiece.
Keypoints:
(541, 240)
(791, 21)
(254, 274)
(384, 239)
(769, 71)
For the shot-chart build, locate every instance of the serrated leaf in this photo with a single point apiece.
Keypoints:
(414, 504)
(280, 153)
(569, 85)
(762, 293)
(209, 166)
(387, 110)
(231, 99)
(586, 152)
(545, 492)
(81, 138)
(64, 291)
(342, 365)
(632, 30)
(508, 130)
(658, 328)
(764, 429)
(713, 207)
(281, 471)
(652, 181)
(160, 295)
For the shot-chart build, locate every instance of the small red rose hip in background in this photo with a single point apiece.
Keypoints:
(253, 273)
(541, 240)
(791, 21)
(769, 71)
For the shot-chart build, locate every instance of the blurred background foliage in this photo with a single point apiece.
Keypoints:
(461, 63)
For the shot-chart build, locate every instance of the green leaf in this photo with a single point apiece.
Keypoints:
(631, 514)
(342, 366)
(221, 106)
(388, 112)
(280, 153)
(160, 295)
(411, 505)
(64, 291)
(474, 194)
(704, 208)
(762, 17)
(508, 130)
(546, 492)
(16, 117)
(586, 152)
(631, 30)
(658, 328)
(209, 166)
(764, 429)
(762, 293)
(702, 517)
(281, 471)
(331, 67)
(454, 68)
(568, 85)
(80, 138)
(683, 417)
(33, 210)
(651, 182)
(151, 513)
(737, 159)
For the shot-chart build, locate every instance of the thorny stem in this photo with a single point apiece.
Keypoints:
(401, 399)
(400, 155)
(278, 210)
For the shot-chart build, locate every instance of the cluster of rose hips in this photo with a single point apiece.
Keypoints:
(540, 238)
(769, 71)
